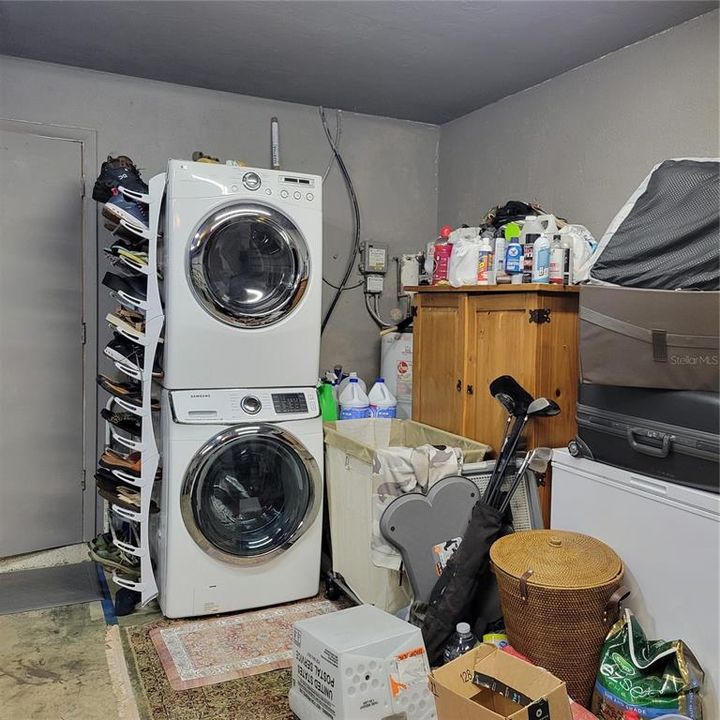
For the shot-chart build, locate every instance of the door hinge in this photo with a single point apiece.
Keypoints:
(539, 316)
(83, 479)
(83, 333)
(470, 390)
(82, 186)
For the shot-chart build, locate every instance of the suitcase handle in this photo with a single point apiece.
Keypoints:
(661, 452)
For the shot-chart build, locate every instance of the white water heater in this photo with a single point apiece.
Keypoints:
(396, 364)
(360, 664)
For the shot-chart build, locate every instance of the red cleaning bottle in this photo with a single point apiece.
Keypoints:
(441, 258)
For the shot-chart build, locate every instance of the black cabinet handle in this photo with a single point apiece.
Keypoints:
(458, 387)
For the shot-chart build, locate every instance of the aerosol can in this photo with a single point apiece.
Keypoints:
(486, 273)
(499, 257)
(441, 257)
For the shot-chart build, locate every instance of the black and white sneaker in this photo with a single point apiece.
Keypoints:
(116, 172)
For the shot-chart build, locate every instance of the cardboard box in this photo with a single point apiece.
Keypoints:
(489, 684)
(359, 664)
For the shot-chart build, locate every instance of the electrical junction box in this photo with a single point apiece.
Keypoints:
(374, 258)
(360, 664)
(374, 284)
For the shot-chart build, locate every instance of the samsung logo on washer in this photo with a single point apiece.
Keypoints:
(199, 395)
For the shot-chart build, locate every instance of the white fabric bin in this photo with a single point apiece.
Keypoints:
(350, 449)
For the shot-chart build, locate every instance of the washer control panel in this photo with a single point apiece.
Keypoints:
(291, 403)
(230, 407)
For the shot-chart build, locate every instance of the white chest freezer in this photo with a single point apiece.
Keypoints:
(668, 536)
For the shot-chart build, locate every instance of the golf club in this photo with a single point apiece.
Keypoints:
(536, 460)
(515, 399)
(541, 407)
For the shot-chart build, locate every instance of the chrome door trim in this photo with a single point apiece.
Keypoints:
(291, 236)
(218, 443)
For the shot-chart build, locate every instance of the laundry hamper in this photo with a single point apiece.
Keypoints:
(351, 447)
(560, 593)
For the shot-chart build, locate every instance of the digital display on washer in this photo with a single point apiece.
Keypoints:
(289, 402)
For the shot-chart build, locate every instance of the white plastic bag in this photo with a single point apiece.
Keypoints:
(463, 265)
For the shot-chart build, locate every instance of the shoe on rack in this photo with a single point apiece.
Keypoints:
(125, 390)
(113, 460)
(118, 493)
(116, 172)
(118, 207)
(121, 233)
(134, 328)
(126, 421)
(123, 350)
(134, 286)
(134, 256)
(115, 561)
(126, 600)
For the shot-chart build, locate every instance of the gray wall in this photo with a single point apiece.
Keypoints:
(393, 163)
(581, 143)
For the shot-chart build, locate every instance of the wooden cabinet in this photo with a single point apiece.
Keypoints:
(466, 337)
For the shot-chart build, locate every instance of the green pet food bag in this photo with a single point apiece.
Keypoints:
(649, 678)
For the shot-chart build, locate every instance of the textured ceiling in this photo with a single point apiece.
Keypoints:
(427, 61)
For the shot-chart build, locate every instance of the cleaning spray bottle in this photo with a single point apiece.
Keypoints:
(541, 259)
(513, 253)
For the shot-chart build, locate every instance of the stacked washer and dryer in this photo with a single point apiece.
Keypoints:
(242, 445)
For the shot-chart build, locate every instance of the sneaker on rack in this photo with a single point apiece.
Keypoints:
(116, 172)
(121, 350)
(135, 287)
(118, 207)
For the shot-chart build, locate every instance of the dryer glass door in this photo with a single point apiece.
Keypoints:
(250, 493)
(248, 265)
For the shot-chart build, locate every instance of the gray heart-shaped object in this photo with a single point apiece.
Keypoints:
(426, 529)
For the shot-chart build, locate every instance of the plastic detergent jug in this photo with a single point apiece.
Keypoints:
(354, 403)
(346, 381)
(541, 259)
(535, 225)
(326, 398)
(382, 402)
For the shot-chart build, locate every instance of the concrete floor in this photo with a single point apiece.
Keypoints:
(54, 666)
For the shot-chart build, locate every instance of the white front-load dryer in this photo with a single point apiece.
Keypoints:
(240, 516)
(242, 269)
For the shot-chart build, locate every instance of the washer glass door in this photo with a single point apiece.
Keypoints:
(248, 265)
(250, 493)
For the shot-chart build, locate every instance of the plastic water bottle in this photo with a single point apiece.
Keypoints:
(346, 381)
(382, 402)
(462, 641)
(354, 403)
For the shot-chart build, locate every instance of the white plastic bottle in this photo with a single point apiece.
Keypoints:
(541, 259)
(345, 381)
(499, 257)
(382, 402)
(354, 403)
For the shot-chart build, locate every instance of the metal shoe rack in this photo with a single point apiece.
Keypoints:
(146, 443)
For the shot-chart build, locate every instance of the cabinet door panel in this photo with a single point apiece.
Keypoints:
(501, 341)
(439, 361)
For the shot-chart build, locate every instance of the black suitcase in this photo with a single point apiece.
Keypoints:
(668, 434)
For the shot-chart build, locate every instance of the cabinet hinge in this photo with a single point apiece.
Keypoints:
(539, 316)
(470, 389)
(83, 479)
(83, 333)
(82, 186)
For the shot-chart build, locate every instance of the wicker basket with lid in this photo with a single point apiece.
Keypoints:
(560, 594)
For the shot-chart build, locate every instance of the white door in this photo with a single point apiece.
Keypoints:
(41, 342)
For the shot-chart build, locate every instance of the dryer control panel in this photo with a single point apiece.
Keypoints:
(238, 405)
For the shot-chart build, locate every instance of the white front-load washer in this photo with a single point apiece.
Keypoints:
(242, 268)
(240, 516)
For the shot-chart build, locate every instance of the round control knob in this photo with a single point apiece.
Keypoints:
(297, 195)
(251, 180)
(250, 404)
(284, 193)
